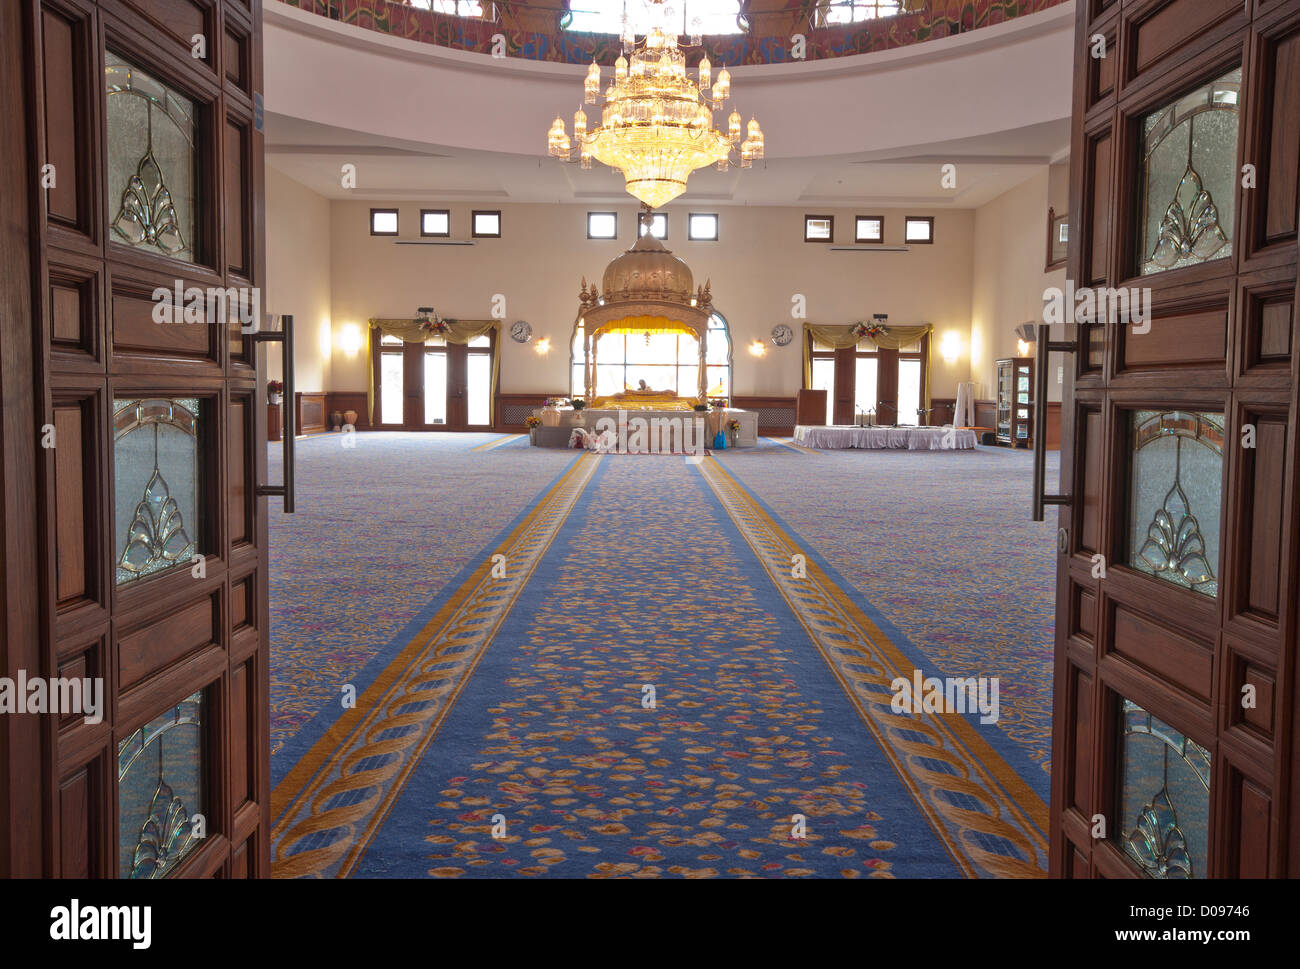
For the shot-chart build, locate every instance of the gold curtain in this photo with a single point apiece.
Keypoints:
(894, 338)
(646, 324)
(458, 331)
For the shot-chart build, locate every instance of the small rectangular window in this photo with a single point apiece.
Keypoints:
(658, 226)
(1058, 239)
(435, 222)
(919, 229)
(869, 228)
(702, 227)
(487, 225)
(602, 225)
(818, 228)
(383, 222)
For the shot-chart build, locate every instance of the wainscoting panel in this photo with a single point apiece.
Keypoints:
(311, 413)
(775, 414)
(511, 409)
(344, 401)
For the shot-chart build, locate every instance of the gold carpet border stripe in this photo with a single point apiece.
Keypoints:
(794, 445)
(402, 710)
(490, 445)
(866, 662)
(789, 445)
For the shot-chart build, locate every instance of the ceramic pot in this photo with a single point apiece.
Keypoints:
(350, 417)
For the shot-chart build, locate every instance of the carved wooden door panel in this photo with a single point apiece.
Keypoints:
(149, 564)
(1176, 600)
(846, 361)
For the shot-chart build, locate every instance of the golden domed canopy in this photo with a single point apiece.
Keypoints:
(648, 269)
(646, 289)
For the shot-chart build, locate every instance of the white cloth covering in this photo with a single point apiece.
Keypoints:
(911, 438)
(964, 415)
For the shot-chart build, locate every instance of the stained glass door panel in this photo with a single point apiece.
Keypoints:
(1189, 173)
(161, 794)
(156, 485)
(151, 161)
(1164, 794)
(1177, 462)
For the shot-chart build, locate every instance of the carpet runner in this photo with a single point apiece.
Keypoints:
(649, 676)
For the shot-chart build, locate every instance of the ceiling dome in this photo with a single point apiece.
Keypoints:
(648, 269)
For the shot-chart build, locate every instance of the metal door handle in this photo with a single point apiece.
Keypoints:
(284, 337)
(1044, 346)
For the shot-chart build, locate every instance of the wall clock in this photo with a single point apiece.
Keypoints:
(782, 335)
(521, 331)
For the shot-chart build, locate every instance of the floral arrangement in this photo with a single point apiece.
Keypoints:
(531, 421)
(275, 387)
(871, 330)
(578, 403)
(733, 425)
(700, 408)
(435, 326)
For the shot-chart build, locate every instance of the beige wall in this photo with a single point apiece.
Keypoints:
(982, 277)
(1010, 253)
(760, 262)
(298, 276)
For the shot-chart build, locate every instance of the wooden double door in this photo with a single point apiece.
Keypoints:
(134, 440)
(1175, 728)
(858, 381)
(448, 387)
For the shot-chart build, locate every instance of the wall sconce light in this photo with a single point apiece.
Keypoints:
(950, 346)
(1022, 348)
(758, 348)
(543, 346)
(350, 339)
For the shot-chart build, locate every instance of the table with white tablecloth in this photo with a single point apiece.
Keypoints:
(911, 438)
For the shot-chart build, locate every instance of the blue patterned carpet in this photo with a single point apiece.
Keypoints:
(646, 585)
(942, 545)
(505, 728)
(380, 530)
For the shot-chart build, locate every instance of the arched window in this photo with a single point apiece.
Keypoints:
(690, 17)
(855, 11)
(665, 361)
(454, 8)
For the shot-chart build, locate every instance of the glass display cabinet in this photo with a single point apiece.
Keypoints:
(1015, 401)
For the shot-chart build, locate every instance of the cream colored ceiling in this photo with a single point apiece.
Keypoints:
(426, 123)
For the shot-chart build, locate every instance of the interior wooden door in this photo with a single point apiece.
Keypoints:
(846, 365)
(457, 387)
(887, 386)
(413, 385)
(148, 553)
(1176, 676)
(469, 384)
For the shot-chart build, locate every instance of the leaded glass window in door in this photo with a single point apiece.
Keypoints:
(156, 484)
(160, 790)
(1189, 177)
(151, 161)
(1164, 791)
(1175, 485)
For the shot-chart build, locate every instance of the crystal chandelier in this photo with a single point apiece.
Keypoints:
(656, 125)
